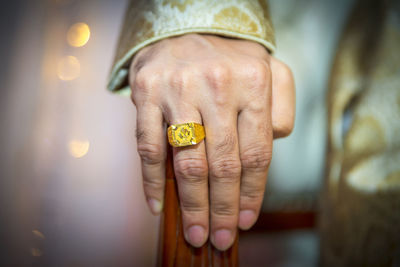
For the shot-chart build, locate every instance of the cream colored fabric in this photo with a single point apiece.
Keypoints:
(361, 209)
(148, 21)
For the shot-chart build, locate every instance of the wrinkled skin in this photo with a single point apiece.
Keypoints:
(244, 98)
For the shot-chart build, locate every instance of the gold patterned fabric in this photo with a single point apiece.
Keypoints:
(147, 21)
(360, 219)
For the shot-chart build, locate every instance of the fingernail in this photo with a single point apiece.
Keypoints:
(222, 239)
(195, 235)
(246, 219)
(155, 206)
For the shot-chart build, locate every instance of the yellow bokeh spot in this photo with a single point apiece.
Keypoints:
(38, 234)
(68, 68)
(36, 252)
(77, 148)
(78, 34)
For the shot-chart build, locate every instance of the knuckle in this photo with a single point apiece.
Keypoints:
(151, 154)
(223, 208)
(226, 169)
(181, 79)
(258, 107)
(284, 70)
(256, 157)
(188, 204)
(140, 79)
(151, 185)
(137, 64)
(146, 79)
(252, 192)
(191, 169)
(283, 74)
(258, 73)
(218, 76)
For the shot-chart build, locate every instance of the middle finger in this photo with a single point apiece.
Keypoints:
(224, 175)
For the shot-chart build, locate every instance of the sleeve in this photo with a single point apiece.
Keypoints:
(148, 21)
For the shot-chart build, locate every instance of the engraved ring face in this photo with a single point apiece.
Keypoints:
(185, 134)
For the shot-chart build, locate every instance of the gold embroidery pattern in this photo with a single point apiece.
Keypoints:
(148, 21)
(361, 198)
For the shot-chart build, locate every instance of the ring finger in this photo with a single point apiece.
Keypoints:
(191, 170)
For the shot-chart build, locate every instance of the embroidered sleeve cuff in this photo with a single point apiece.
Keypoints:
(148, 21)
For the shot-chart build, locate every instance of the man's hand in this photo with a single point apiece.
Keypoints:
(242, 96)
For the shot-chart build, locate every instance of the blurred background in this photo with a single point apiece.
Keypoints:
(70, 187)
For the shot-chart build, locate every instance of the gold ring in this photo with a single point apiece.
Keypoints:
(185, 134)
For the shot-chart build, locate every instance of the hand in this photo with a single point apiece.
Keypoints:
(242, 96)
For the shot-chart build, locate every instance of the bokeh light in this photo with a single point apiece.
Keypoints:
(38, 234)
(36, 252)
(78, 34)
(78, 148)
(68, 68)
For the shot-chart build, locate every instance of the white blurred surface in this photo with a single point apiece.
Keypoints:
(72, 171)
(307, 32)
